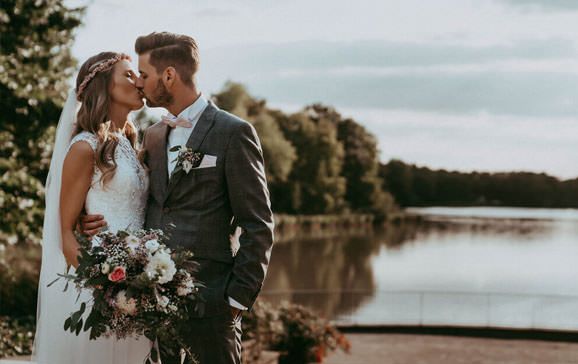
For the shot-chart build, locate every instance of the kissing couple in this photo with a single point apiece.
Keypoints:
(216, 205)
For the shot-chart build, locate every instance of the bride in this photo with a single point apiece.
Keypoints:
(94, 168)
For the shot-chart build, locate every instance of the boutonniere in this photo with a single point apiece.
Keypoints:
(187, 159)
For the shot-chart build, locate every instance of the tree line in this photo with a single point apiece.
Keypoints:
(421, 186)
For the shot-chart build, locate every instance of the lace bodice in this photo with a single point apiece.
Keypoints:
(122, 201)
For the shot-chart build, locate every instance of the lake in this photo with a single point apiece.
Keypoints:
(483, 267)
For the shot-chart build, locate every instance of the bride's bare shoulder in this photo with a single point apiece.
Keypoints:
(80, 155)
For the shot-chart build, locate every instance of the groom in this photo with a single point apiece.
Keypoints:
(224, 189)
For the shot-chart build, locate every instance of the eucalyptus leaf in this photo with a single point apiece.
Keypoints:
(79, 327)
(89, 321)
(93, 334)
(75, 317)
(54, 281)
(67, 323)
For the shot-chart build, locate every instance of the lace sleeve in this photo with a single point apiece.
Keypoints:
(85, 136)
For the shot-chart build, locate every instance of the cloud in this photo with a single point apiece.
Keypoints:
(529, 94)
(215, 12)
(479, 142)
(537, 79)
(320, 55)
(552, 5)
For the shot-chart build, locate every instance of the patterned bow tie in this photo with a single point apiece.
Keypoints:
(174, 122)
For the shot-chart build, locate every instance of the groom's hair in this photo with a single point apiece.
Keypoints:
(171, 50)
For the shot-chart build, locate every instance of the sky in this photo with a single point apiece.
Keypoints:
(486, 85)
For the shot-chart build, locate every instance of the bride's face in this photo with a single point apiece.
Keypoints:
(123, 90)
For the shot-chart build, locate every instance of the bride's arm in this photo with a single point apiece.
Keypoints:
(76, 179)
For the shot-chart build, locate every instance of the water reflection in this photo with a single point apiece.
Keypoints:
(333, 275)
(464, 258)
(319, 273)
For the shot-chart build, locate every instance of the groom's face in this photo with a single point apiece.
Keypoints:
(150, 84)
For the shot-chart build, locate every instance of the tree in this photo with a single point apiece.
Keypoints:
(278, 152)
(315, 185)
(397, 177)
(35, 65)
(364, 187)
(317, 162)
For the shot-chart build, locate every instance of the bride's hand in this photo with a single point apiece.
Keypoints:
(91, 224)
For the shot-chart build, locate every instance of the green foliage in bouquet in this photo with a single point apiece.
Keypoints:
(139, 288)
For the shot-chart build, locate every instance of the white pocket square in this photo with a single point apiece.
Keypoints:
(208, 161)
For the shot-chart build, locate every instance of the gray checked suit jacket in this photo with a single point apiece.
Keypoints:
(207, 204)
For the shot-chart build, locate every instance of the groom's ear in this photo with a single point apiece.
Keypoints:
(169, 77)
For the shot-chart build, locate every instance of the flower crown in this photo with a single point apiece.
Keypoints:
(104, 65)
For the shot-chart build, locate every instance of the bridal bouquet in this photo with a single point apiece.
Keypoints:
(139, 287)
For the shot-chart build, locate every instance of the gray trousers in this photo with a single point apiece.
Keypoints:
(213, 340)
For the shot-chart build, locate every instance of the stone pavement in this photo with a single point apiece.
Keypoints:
(379, 348)
(387, 348)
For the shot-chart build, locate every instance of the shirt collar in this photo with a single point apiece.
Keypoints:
(192, 111)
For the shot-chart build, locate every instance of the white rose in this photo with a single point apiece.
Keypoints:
(127, 306)
(152, 245)
(105, 268)
(161, 266)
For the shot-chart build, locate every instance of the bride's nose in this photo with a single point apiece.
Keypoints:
(132, 79)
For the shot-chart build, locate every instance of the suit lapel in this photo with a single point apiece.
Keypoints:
(157, 141)
(202, 127)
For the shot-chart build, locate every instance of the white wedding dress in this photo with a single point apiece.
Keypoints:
(122, 202)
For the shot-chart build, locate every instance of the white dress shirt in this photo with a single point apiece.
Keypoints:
(179, 136)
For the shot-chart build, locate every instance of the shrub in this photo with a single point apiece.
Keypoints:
(295, 331)
(16, 336)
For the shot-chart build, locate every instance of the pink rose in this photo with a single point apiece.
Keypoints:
(118, 274)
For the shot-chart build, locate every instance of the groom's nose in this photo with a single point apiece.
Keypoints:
(139, 83)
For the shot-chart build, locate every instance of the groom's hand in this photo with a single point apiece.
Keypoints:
(92, 224)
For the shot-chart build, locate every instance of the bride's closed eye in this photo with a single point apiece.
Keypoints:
(131, 75)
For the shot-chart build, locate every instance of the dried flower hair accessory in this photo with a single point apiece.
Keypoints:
(102, 66)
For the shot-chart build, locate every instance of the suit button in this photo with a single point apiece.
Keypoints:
(166, 210)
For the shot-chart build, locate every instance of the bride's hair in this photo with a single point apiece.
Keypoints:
(93, 116)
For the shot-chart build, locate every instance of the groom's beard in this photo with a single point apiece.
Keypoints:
(160, 97)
